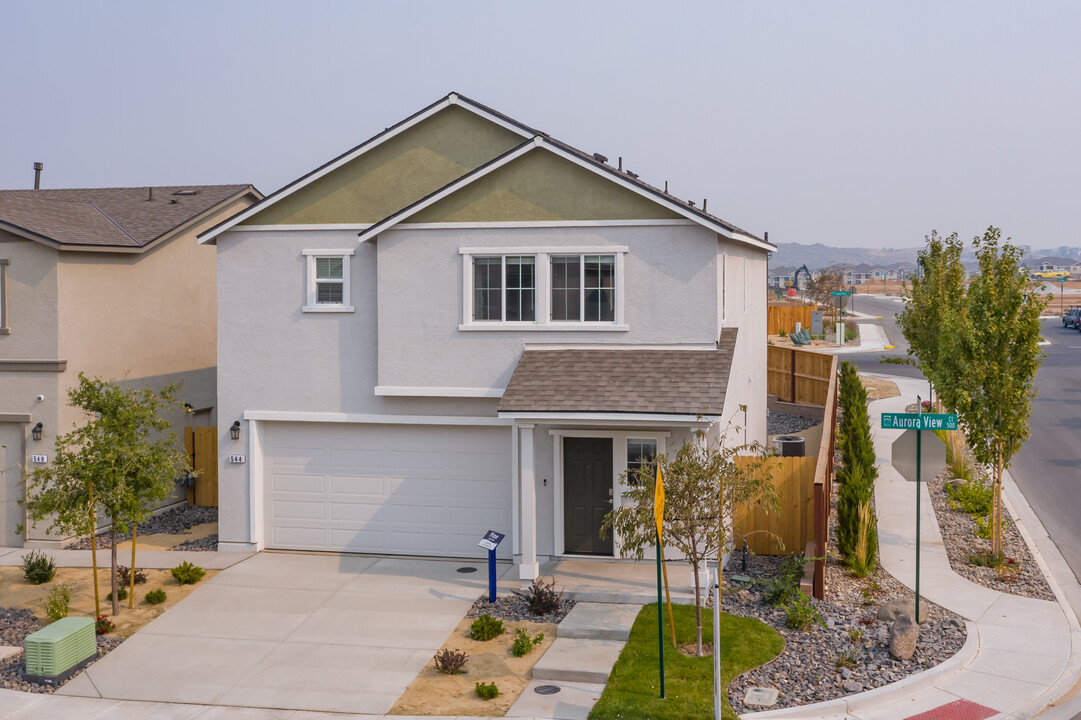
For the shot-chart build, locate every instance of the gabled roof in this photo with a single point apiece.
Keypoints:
(671, 382)
(532, 139)
(127, 219)
(1052, 260)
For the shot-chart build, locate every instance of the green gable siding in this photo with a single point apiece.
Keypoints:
(396, 173)
(542, 186)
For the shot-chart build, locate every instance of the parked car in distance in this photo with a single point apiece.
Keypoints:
(1072, 318)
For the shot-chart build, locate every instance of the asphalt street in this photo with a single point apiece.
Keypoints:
(1048, 468)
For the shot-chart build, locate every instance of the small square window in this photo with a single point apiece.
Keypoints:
(328, 281)
(640, 455)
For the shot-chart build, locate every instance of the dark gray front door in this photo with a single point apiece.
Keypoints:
(587, 494)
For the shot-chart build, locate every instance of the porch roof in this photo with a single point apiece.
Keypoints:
(642, 381)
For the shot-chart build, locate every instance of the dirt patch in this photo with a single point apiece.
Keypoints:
(690, 649)
(879, 389)
(433, 693)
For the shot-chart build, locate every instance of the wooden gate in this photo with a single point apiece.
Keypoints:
(201, 444)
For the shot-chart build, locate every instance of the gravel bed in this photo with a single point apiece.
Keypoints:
(514, 608)
(780, 424)
(173, 521)
(208, 544)
(15, 625)
(849, 655)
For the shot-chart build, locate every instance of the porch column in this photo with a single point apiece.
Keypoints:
(529, 569)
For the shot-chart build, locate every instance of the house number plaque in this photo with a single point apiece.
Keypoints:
(238, 459)
(39, 458)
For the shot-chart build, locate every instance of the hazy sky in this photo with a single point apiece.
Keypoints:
(845, 123)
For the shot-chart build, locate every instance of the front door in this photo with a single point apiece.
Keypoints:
(587, 494)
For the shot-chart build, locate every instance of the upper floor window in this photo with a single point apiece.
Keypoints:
(327, 280)
(548, 289)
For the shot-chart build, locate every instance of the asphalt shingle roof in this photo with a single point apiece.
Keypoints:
(677, 382)
(110, 217)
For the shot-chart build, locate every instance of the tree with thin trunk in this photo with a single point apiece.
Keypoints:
(121, 462)
(821, 288)
(704, 484)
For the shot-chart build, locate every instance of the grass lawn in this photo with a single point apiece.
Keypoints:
(633, 689)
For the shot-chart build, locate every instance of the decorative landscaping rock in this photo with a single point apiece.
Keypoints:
(891, 609)
(903, 637)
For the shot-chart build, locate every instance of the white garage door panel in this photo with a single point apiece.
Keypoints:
(407, 489)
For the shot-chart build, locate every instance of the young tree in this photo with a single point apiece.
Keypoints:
(121, 461)
(987, 364)
(820, 288)
(704, 484)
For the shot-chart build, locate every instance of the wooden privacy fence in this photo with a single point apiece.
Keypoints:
(787, 531)
(783, 318)
(201, 444)
(823, 485)
(798, 376)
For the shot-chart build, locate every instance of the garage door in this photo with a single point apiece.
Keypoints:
(399, 489)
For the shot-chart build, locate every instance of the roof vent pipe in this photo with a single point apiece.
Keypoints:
(665, 187)
(621, 163)
(149, 194)
(38, 167)
(704, 204)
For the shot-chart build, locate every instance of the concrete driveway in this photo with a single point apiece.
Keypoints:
(304, 632)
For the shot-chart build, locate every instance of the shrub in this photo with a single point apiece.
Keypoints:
(58, 602)
(103, 625)
(850, 496)
(542, 598)
(485, 628)
(123, 574)
(450, 662)
(845, 659)
(783, 589)
(38, 567)
(971, 496)
(523, 644)
(188, 574)
(155, 597)
(121, 594)
(961, 466)
(987, 560)
(802, 614)
(862, 562)
(487, 691)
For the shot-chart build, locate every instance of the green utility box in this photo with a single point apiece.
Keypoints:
(56, 652)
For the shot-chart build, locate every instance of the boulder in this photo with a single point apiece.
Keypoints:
(903, 636)
(902, 606)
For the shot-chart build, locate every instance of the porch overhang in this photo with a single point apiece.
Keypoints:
(611, 420)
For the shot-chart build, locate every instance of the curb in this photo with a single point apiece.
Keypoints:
(886, 693)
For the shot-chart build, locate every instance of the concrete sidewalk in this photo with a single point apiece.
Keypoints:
(1022, 655)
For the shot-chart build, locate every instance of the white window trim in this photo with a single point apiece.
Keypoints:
(543, 289)
(311, 306)
(5, 329)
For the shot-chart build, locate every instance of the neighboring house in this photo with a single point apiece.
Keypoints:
(463, 324)
(110, 282)
(782, 277)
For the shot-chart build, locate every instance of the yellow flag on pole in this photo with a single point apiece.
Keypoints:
(658, 502)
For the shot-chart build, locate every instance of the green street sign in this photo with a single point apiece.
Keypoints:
(841, 293)
(919, 421)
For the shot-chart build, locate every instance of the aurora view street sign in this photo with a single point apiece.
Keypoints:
(841, 293)
(919, 421)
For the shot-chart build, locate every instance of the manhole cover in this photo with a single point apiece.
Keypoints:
(546, 689)
(761, 697)
(467, 569)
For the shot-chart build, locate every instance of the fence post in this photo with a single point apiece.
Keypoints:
(792, 371)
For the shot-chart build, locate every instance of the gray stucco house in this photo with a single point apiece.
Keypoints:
(465, 324)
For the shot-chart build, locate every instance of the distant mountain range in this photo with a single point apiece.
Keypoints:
(819, 256)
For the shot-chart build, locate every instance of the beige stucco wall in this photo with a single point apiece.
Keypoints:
(31, 299)
(396, 173)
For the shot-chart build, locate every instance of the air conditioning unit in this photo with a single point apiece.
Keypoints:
(790, 446)
(56, 652)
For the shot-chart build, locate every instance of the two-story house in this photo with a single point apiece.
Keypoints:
(463, 324)
(109, 282)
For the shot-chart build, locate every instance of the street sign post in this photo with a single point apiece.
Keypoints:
(490, 542)
(841, 293)
(918, 422)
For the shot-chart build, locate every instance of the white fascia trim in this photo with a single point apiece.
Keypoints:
(674, 207)
(370, 419)
(547, 250)
(538, 345)
(453, 99)
(334, 253)
(614, 419)
(382, 225)
(331, 167)
(299, 228)
(405, 391)
(540, 224)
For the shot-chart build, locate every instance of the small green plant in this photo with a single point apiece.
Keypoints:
(155, 597)
(541, 597)
(487, 691)
(845, 659)
(58, 602)
(103, 625)
(450, 662)
(987, 560)
(871, 591)
(121, 594)
(523, 644)
(38, 567)
(485, 628)
(783, 589)
(187, 573)
(971, 496)
(984, 526)
(801, 614)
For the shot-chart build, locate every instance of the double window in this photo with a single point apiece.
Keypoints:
(327, 281)
(552, 289)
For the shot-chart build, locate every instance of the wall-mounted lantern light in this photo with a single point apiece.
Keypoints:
(188, 408)
(36, 432)
(234, 430)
